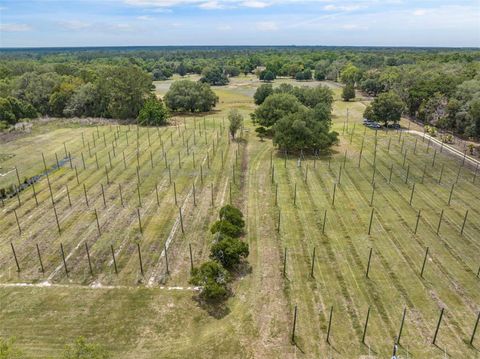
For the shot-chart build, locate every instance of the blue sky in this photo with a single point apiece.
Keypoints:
(41, 23)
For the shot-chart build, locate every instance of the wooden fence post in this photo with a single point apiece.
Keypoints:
(438, 326)
(40, 258)
(368, 265)
(401, 325)
(294, 324)
(114, 260)
(15, 256)
(365, 327)
(89, 261)
(64, 260)
(464, 221)
(329, 324)
(140, 258)
(424, 263)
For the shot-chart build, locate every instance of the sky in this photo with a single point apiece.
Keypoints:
(69, 23)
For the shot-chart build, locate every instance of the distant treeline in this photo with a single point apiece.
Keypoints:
(438, 86)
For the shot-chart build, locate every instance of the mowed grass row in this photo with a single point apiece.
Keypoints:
(394, 282)
(119, 225)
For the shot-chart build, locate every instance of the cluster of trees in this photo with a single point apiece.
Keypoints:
(190, 96)
(438, 86)
(298, 118)
(227, 252)
(384, 108)
(102, 91)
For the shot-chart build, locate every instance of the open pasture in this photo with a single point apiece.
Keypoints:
(341, 237)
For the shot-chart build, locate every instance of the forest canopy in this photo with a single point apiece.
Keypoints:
(440, 87)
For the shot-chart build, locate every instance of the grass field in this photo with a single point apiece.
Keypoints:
(156, 314)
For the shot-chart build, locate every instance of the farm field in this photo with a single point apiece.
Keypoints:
(148, 195)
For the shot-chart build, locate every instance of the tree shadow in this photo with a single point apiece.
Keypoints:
(216, 309)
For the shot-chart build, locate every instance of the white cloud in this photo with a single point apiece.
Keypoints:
(341, 7)
(419, 12)
(15, 27)
(255, 4)
(211, 5)
(224, 27)
(144, 18)
(74, 24)
(267, 26)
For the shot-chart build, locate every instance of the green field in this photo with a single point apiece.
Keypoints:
(156, 314)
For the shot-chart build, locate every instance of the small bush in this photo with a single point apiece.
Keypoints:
(233, 215)
(83, 350)
(229, 252)
(213, 279)
(226, 228)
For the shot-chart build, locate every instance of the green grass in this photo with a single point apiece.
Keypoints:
(135, 319)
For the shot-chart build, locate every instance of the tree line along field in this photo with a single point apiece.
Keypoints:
(284, 202)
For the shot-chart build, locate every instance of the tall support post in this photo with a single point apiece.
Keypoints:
(103, 196)
(64, 260)
(369, 261)
(175, 193)
(156, 194)
(114, 260)
(294, 324)
(411, 194)
(365, 327)
(56, 219)
(15, 256)
(313, 263)
(140, 259)
(334, 192)
(98, 223)
(439, 222)
(475, 329)
(85, 193)
(418, 220)
(285, 263)
(371, 220)
(89, 261)
(167, 269)
(424, 263)
(295, 195)
(438, 326)
(191, 256)
(464, 221)
(390, 175)
(139, 198)
(329, 324)
(441, 174)
(276, 194)
(181, 219)
(40, 258)
(401, 325)
(194, 195)
(139, 221)
(423, 174)
(18, 222)
(450, 195)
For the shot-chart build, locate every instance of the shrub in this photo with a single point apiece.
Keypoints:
(213, 279)
(153, 113)
(226, 228)
(83, 350)
(185, 95)
(232, 215)
(229, 251)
